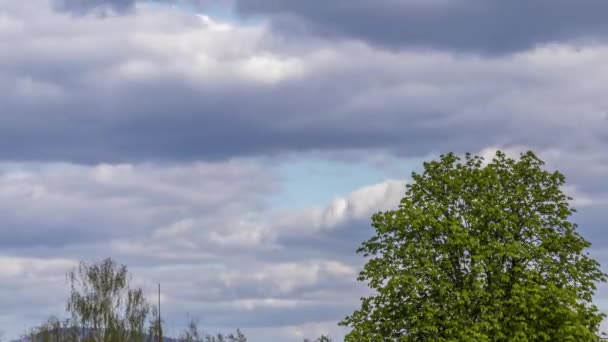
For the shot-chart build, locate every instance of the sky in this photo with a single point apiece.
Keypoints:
(234, 150)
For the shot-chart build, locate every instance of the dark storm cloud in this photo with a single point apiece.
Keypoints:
(494, 26)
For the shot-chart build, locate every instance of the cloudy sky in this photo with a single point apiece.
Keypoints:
(233, 150)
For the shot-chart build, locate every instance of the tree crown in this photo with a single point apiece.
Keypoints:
(479, 251)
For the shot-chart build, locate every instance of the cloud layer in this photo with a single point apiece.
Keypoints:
(159, 133)
(202, 230)
(166, 85)
(81, 7)
(490, 27)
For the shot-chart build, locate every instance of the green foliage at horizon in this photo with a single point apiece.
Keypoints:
(155, 326)
(53, 330)
(192, 334)
(103, 303)
(322, 338)
(105, 308)
(479, 252)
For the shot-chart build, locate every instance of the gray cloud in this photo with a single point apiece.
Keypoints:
(246, 282)
(166, 85)
(122, 7)
(99, 6)
(488, 27)
(493, 27)
(60, 204)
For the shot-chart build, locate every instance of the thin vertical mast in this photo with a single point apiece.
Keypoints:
(160, 334)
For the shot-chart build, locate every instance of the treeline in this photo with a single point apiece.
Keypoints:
(103, 306)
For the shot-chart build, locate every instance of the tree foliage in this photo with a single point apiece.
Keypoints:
(155, 326)
(53, 330)
(104, 305)
(479, 252)
(322, 338)
(192, 334)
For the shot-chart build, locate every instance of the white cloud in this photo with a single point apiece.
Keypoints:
(15, 268)
(358, 205)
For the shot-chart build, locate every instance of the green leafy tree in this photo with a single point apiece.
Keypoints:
(479, 252)
(103, 307)
(53, 330)
(155, 326)
(103, 304)
(238, 336)
(192, 334)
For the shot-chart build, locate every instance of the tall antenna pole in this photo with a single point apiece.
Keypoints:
(160, 333)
